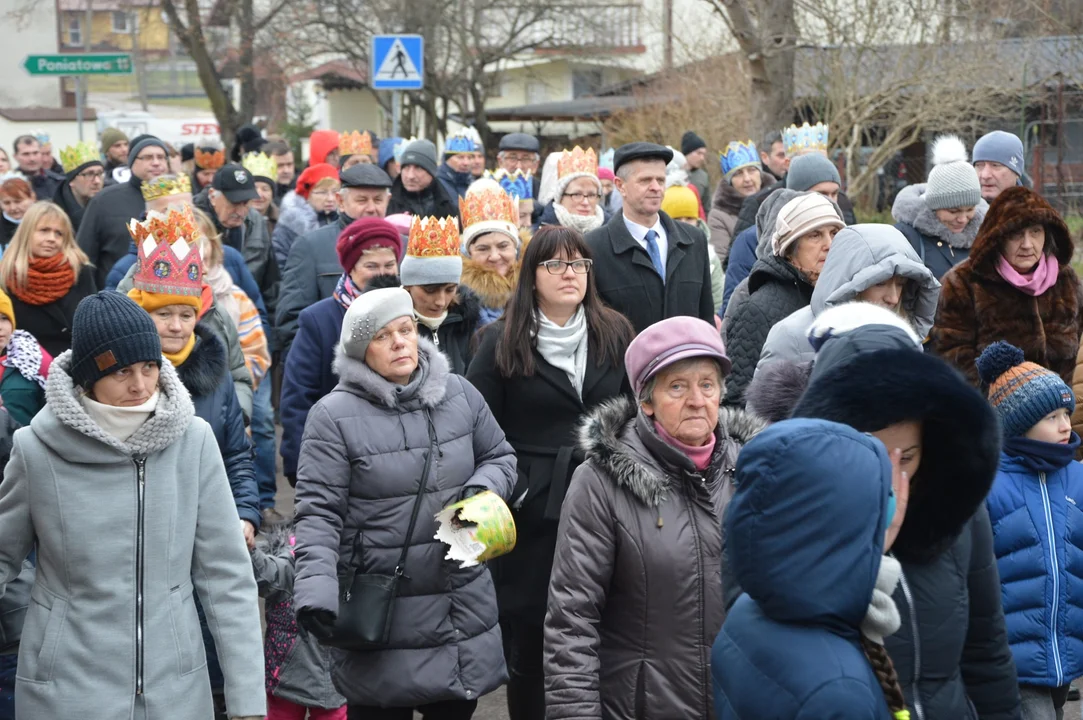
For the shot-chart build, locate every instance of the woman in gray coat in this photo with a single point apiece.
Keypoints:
(635, 597)
(123, 493)
(362, 467)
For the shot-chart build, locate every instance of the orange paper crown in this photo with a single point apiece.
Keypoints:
(168, 261)
(166, 227)
(433, 237)
(355, 143)
(488, 205)
(210, 160)
(577, 161)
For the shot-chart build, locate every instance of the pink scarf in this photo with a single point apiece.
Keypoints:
(1040, 279)
(700, 456)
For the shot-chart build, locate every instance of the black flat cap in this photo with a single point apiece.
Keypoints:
(641, 151)
(365, 175)
(520, 141)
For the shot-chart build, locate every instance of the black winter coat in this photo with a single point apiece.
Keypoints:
(776, 289)
(454, 336)
(205, 374)
(540, 416)
(432, 201)
(628, 283)
(7, 231)
(51, 323)
(65, 198)
(103, 231)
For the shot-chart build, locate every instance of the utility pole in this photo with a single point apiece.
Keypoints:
(667, 34)
(82, 83)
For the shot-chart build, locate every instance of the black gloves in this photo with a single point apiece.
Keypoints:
(320, 623)
(470, 491)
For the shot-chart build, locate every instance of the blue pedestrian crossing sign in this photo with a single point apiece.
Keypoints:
(397, 62)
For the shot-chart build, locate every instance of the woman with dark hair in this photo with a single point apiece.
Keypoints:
(557, 353)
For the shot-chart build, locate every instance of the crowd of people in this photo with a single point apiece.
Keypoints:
(763, 461)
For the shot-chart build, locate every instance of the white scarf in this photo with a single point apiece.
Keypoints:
(120, 422)
(432, 323)
(565, 348)
(882, 617)
(582, 223)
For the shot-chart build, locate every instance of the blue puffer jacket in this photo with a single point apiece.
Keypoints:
(804, 535)
(1038, 540)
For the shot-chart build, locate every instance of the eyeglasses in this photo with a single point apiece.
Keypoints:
(558, 267)
(92, 174)
(519, 158)
(152, 157)
(582, 196)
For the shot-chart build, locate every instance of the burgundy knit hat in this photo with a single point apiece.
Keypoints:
(669, 341)
(365, 234)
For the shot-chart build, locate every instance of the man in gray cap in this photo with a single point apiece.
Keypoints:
(312, 269)
(998, 158)
(519, 151)
(103, 232)
(646, 265)
(415, 190)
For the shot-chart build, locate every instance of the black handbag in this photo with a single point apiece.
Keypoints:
(366, 600)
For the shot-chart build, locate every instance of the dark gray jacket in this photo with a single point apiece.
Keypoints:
(635, 599)
(311, 273)
(103, 230)
(359, 471)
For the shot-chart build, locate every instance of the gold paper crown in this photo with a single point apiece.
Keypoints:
(577, 161)
(161, 187)
(78, 154)
(434, 237)
(210, 160)
(355, 143)
(167, 227)
(261, 165)
(486, 205)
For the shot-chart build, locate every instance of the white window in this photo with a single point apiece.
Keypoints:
(75, 31)
(120, 22)
(536, 92)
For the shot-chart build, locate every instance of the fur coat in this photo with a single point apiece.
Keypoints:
(979, 307)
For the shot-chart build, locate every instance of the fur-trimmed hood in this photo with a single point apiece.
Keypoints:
(426, 388)
(910, 208)
(493, 290)
(169, 422)
(609, 438)
(297, 215)
(1015, 209)
(206, 366)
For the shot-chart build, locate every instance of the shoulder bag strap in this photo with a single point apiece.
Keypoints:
(400, 569)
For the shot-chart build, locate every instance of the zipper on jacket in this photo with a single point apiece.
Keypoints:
(705, 660)
(1056, 577)
(919, 711)
(141, 477)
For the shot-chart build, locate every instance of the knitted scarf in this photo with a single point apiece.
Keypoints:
(1034, 283)
(582, 223)
(47, 280)
(345, 292)
(25, 355)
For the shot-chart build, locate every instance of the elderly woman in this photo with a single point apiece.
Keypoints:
(491, 244)
(781, 282)
(742, 177)
(1018, 285)
(578, 192)
(112, 620)
(399, 439)
(941, 217)
(635, 597)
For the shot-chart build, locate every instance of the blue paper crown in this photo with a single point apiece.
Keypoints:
(737, 156)
(460, 141)
(605, 160)
(518, 184)
(805, 138)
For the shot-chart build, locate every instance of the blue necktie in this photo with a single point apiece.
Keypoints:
(655, 253)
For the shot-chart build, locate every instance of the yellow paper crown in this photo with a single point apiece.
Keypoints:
(261, 165)
(433, 237)
(210, 160)
(168, 227)
(78, 154)
(486, 205)
(577, 161)
(162, 186)
(355, 143)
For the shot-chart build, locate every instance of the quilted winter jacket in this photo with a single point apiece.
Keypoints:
(635, 599)
(937, 246)
(1038, 539)
(358, 476)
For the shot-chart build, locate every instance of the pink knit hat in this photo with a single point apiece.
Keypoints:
(800, 216)
(670, 341)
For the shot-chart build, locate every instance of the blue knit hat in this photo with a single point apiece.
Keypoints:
(110, 332)
(1000, 147)
(1021, 392)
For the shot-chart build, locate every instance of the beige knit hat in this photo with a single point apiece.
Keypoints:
(801, 216)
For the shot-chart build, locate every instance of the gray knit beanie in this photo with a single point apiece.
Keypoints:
(368, 313)
(421, 153)
(110, 332)
(809, 170)
(953, 182)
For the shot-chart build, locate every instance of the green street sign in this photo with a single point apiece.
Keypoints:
(81, 64)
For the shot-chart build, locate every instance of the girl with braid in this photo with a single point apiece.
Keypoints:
(805, 533)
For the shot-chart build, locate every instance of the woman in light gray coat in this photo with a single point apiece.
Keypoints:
(124, 495)
(872, 263)
(361, 469)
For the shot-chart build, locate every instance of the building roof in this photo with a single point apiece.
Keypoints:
(584, 108)
(336, 74)
(45, 114)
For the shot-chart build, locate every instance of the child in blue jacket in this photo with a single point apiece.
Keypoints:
(1037, 526)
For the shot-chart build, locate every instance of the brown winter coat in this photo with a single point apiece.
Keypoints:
(1077, 388)
(978, 307)
(722, 215)
(635, 598)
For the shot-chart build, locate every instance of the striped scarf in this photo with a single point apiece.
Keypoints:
(345, 292)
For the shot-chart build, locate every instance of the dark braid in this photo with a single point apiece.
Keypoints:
(885, 673)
